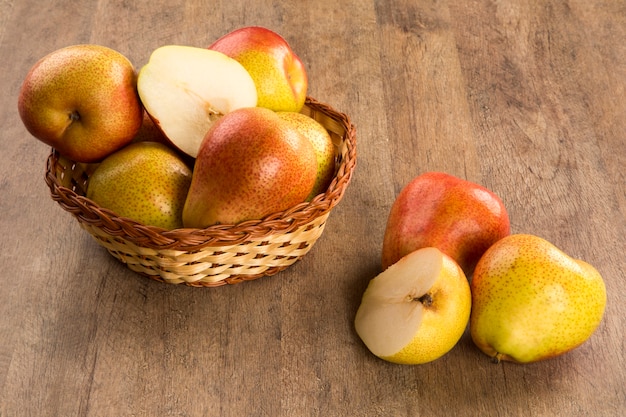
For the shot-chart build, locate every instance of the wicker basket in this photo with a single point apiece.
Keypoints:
(219, 254)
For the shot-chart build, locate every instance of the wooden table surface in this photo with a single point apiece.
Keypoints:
(526, 98)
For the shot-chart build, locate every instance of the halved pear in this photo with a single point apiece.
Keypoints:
(416, 310)
(185, 89)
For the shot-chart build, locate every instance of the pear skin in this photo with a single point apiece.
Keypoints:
(278, 73)
(82, 100)
(461, 218)
(145, 181)
(323, 145)
(531, 301)
(249, 165)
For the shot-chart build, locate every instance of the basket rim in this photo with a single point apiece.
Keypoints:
(187, 239)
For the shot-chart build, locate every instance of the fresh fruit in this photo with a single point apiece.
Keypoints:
(186, 89)
(459, 217)
(531, 301)
(323, 145)
(416, 310)
(250, 164)
(81, 100)
(145, 181)
(280, 77)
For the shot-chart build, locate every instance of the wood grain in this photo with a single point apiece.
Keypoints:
(526, 98)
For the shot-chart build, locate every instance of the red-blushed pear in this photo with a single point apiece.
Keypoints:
(279, 74)
(250, 164)
(531, 301)
(82, 100)
(323, 145)
(459, 217)
(416, 310)
(185, 89)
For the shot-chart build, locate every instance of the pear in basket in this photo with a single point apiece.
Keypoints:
(185, 89)
(82, 101)
(323, 145)
(145, 181)
(278, 73)
(250, 164)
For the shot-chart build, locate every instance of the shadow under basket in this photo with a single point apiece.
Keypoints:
(217, 255)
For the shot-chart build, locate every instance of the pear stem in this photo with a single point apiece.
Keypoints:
(496, 359)
(74, 116)
(425, 299)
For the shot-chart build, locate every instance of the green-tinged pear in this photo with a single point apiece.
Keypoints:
(145, 181)
(531, 301)
(323, 145)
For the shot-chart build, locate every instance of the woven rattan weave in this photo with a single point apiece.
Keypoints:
(217, 255)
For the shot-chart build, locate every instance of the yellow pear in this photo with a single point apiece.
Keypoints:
(416, 310)
(145, 181)
(82, 100)
(278, 73)
(323, 145)
(531, 301)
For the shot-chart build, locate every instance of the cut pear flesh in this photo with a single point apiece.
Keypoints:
(185, 89)
(416, 310)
